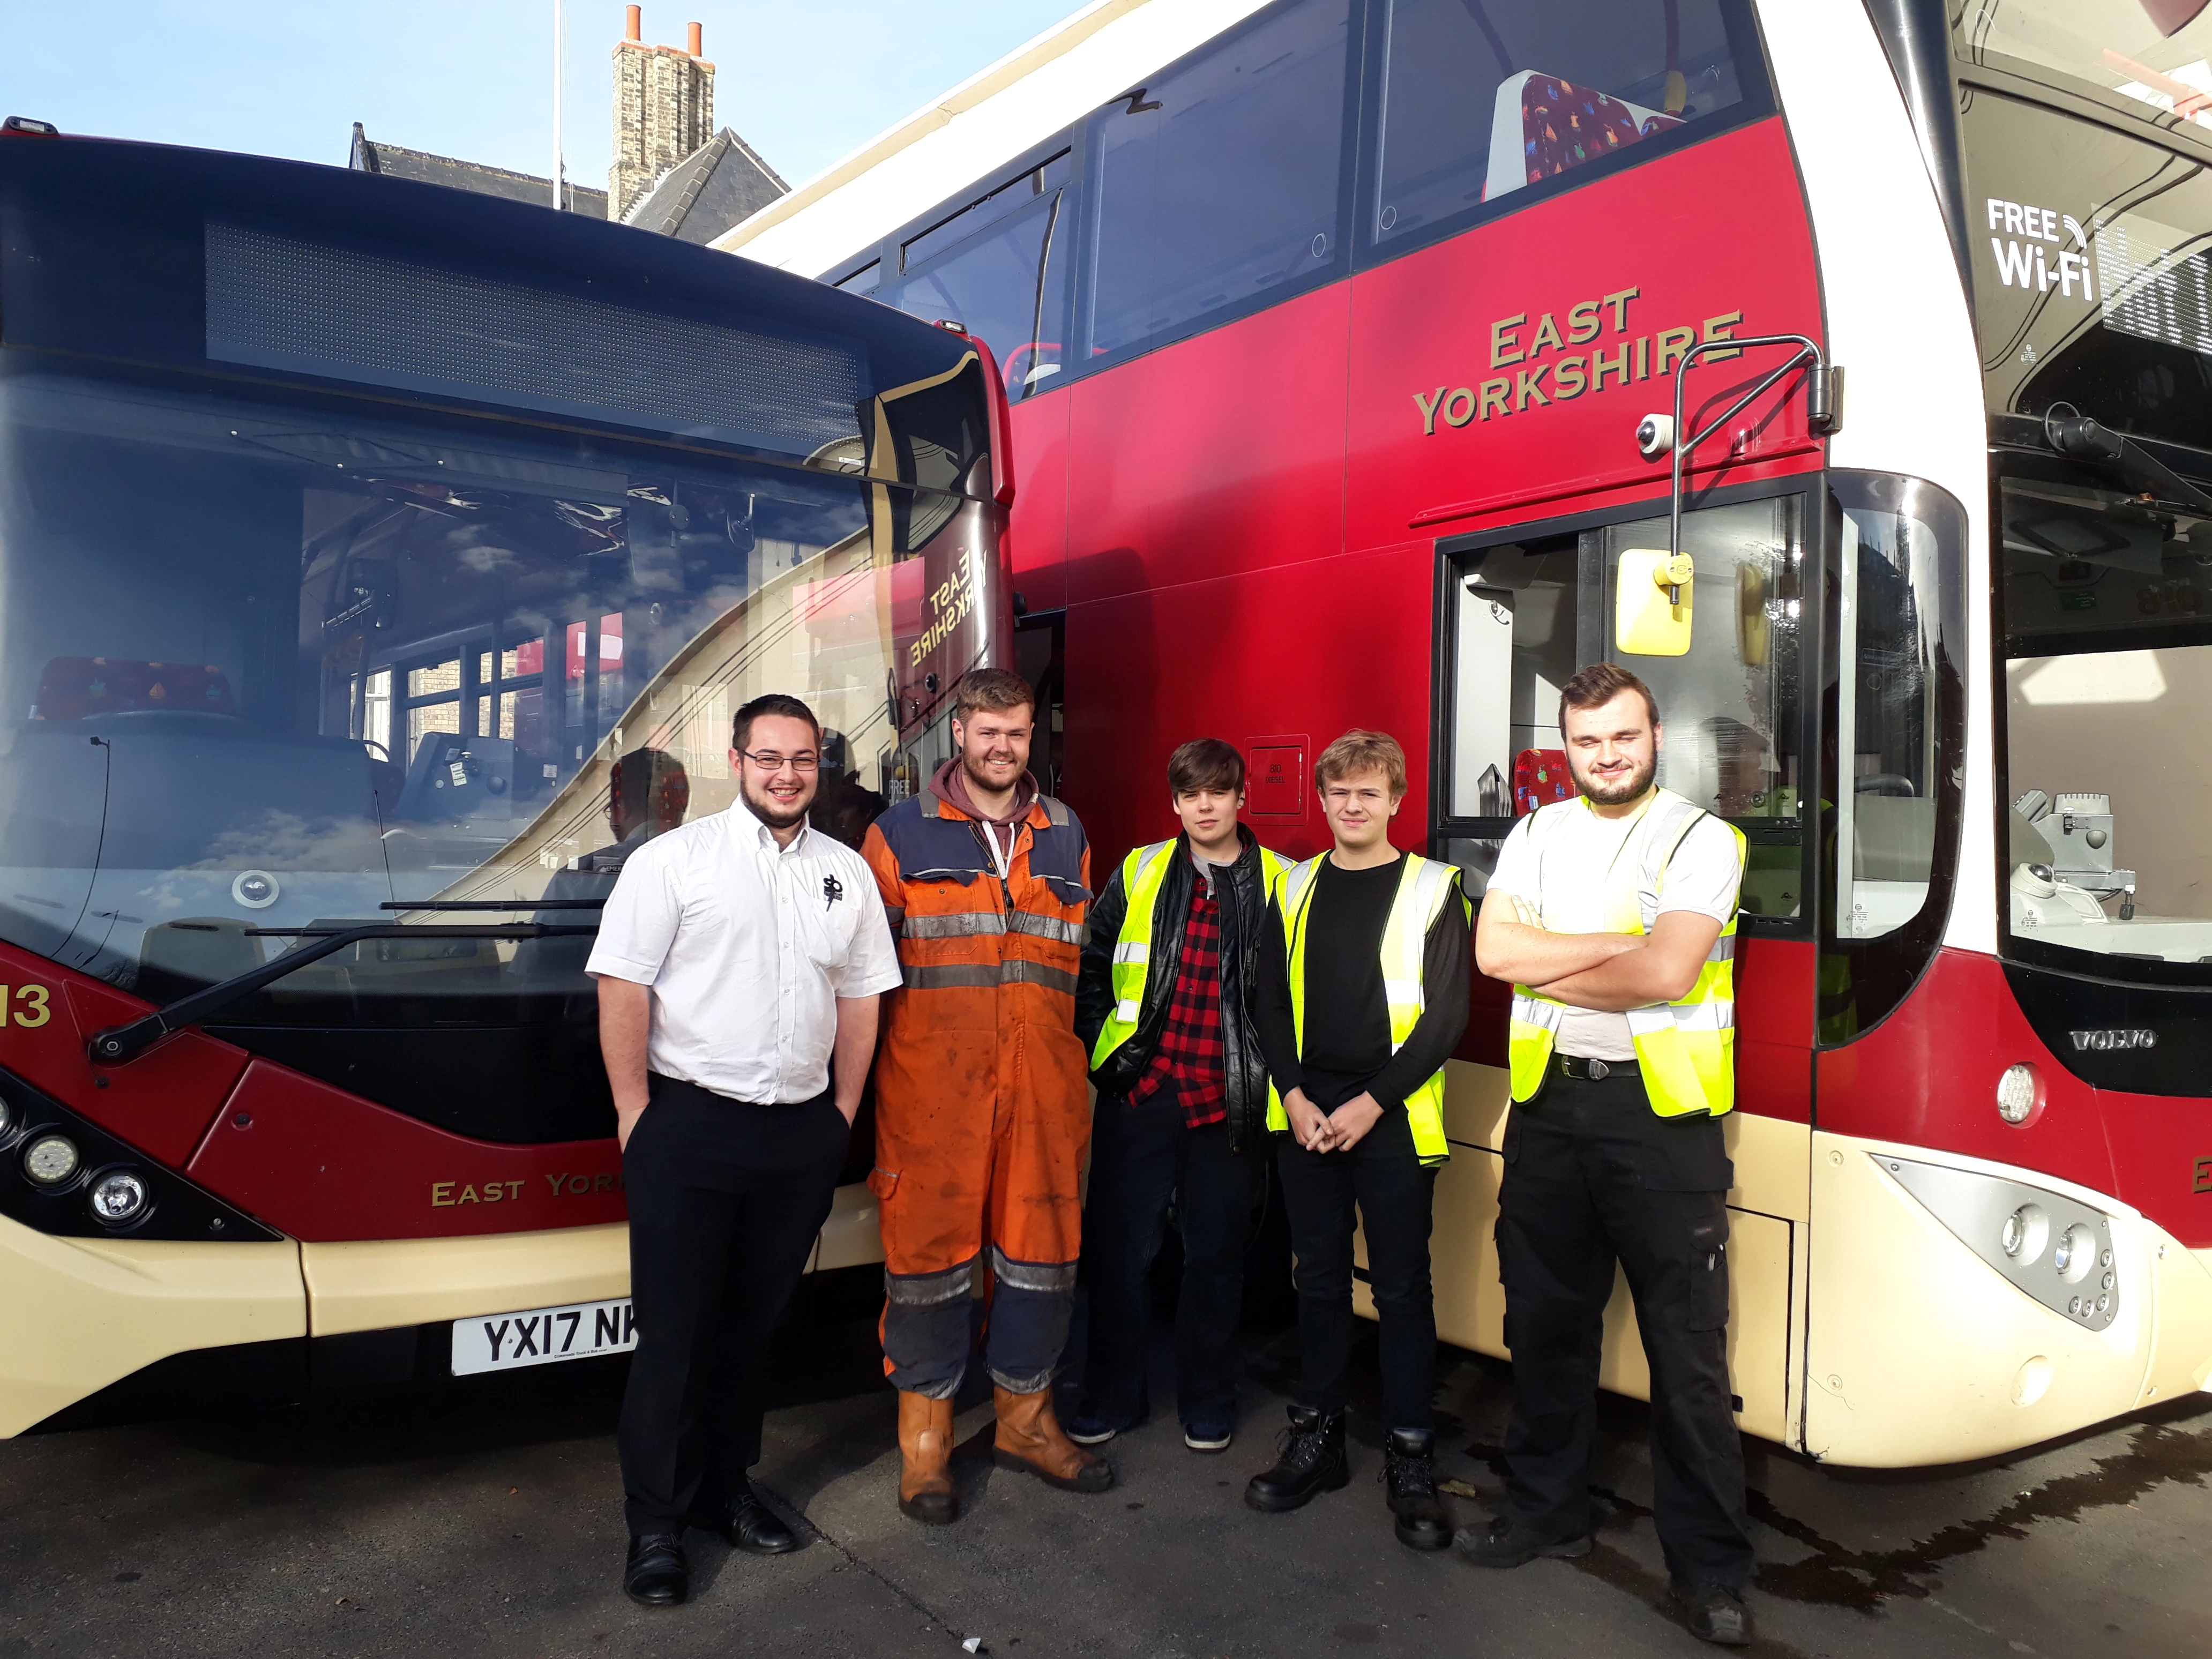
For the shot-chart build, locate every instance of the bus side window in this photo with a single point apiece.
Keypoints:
(998, 269)
(1485, 97)
(1216, 183)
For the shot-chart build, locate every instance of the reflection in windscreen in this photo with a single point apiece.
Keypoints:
(270, 670)
(2108, 611)
(2153, 53)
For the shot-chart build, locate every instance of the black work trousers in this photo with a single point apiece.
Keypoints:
(1594, 1176)
(725, 1200)
(1144, 1159)
(1384, 1178)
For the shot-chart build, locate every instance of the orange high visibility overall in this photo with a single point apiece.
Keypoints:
(981, 1107)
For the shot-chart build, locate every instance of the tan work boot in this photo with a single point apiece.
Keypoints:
(1031, 1437)
(926, 1491)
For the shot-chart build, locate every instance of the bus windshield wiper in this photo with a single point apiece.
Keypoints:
(2082, 437)
(118, 1044)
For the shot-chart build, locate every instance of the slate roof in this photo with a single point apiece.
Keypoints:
(371, 157)
(720, 183)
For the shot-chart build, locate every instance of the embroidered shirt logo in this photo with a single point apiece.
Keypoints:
(832, 890)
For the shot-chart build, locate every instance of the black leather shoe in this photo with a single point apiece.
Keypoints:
(754, 1527)
(1409, 1475)
(657, 1575)
(1717, 1615)
(1310, 1459)
(1509, 1542)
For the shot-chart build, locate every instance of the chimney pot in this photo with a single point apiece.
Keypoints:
(635, 30)
(696, 45)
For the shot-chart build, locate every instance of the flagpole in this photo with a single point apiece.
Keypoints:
(557, 46)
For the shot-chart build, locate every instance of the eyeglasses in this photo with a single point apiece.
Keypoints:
(775, 762)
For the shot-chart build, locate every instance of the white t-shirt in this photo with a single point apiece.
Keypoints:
(747, 947)
(1568, 894)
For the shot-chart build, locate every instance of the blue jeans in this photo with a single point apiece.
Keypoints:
(1143, 1159)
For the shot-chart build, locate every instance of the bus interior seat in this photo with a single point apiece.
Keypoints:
(1541, 125)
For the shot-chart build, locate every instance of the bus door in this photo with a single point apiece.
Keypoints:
(1521, 609)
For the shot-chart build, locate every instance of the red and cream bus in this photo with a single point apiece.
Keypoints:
(1373, 361)
(378, 564)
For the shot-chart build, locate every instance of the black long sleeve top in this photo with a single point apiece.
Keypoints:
(1347, 1048)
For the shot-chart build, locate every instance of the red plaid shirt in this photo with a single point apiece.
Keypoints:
(1187, 1065)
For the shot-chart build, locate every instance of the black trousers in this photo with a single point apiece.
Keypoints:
(1594, 1176)
(725, 1200)
(1384, 1178)
(1144, 1158)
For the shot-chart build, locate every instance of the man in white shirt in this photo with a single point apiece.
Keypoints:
(1614, 916)
(738, 961)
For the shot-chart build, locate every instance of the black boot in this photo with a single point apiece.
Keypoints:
(1409, 1474)
(1311, 1459)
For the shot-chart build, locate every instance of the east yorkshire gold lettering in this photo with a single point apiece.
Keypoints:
(1545, 371)
(950, 604)
(445, 1194)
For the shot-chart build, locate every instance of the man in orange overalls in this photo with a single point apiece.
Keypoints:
(981, 1105)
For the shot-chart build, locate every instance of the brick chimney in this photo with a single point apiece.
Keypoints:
(664, 109)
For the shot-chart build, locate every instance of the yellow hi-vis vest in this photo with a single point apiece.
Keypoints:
(1425, 887)
(1685, 1049)
(1143, 872)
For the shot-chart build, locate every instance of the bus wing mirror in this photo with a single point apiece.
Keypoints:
(1651, 610)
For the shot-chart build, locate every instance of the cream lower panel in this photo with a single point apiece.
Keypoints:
(1772, 1157)
(1920, 1353)
(1470, 1302)
(854, 1235)
(374, 1286)
(82, 1313)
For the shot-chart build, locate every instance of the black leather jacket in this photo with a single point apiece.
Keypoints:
(1243, 896)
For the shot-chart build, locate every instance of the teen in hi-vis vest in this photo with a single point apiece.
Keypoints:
(1614, 917)
(1165, 1003)
(1365, 997)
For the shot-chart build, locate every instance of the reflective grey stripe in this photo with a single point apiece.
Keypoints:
(944, 977)
(1017, 971)
(930, 1290)
(1051, 927)
(1052, 1277)
(960, 924)
(895, 914)
(940, 977)
(1723, 949)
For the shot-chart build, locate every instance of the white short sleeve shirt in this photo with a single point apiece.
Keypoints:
(746, 946)
(1568, 894)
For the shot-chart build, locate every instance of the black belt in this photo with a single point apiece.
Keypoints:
(1593, 1071)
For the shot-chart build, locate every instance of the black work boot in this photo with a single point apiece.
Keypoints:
(1409, 1475)
(1716, 1614)
(1509, 1542)
(1311, 1459)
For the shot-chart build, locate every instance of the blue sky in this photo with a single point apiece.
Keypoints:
(804, 80)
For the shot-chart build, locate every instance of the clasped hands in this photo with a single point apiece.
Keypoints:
(1339, 1131)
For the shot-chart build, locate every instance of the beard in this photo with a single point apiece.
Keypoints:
(771, 812)
(1622, 791)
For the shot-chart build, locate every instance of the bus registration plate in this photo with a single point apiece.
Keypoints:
(542, 1336)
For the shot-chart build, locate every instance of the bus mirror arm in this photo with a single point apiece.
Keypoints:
(117, 1045)
(1661, 435)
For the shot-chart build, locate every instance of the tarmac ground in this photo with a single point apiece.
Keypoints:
(484, 1518)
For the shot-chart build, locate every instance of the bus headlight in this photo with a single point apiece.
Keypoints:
(118, 1198)
(2026, 1230)
(2019, 1092)
(50, 1160)
(2053, 1247)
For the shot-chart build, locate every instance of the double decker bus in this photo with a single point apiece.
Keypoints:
(1842, 366)
(379, 565)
